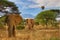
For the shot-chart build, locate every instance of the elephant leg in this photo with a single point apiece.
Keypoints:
(30, 27)
(10, 31)
(13, 31)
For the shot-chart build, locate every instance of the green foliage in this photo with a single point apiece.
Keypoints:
(5, 3)
(45, 16)
(20, 26)
(2, 19)
(54, 38)
(36, 23)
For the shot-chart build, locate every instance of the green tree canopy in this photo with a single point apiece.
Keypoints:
(7, 7)
(45, 16)
(4, 4)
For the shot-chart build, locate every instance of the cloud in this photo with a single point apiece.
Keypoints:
(27, 16)
(46, 3)
(21, 3)
(38, 3)
(17, 1)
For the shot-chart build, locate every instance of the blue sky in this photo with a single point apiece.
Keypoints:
(23, 6)
(33, 7)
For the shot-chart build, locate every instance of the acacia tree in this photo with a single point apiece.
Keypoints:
(4, 4)
(45, 16)
(13, 17)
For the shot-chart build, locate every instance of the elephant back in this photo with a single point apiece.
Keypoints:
(13, 19)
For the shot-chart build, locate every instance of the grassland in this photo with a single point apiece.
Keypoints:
(42, 34)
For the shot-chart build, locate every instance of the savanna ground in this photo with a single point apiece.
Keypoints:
(34, 34)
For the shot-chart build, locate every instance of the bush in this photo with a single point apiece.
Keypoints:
(1, 25)
(20, 26)
(36, 23)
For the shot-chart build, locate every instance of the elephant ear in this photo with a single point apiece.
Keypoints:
(18, 19)
(32, 20)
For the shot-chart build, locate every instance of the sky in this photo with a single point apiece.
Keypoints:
(33, 7)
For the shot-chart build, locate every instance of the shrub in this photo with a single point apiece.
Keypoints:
(20, 26)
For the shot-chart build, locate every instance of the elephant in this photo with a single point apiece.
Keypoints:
(12, 20)
(30, 23)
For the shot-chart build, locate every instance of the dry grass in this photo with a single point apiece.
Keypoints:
(35, 34)
(30, 35)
